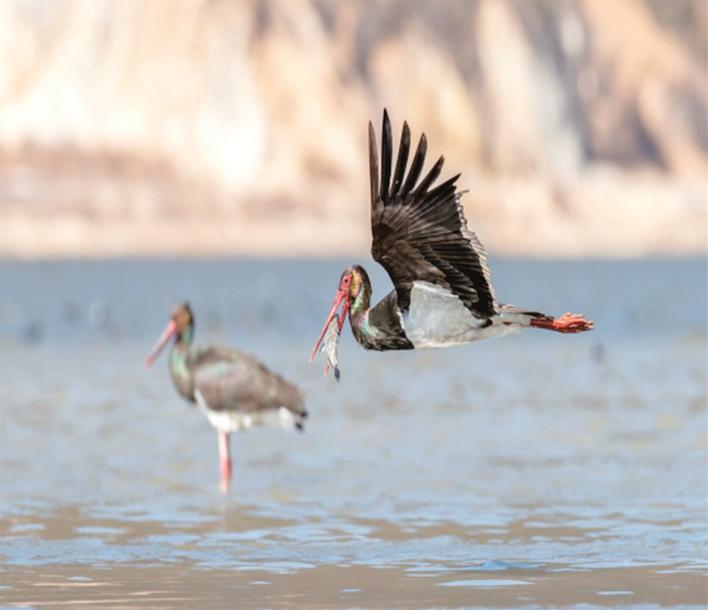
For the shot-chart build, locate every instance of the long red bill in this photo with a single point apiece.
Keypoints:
(342, 295)
(166, 335)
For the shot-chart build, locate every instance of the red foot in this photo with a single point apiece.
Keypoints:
(567, 323)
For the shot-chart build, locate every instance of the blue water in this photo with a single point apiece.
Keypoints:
(539, 469)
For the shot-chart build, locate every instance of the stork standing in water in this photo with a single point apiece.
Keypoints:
(233, 389)
(443, 292)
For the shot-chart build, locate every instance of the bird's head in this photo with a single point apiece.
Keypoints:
(180, 326)
(353, 283)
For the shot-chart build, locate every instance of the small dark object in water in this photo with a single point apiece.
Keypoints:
(598, 352)
(71, 312)
(33, 332)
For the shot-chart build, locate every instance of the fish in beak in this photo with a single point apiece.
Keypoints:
(332, 328)
(167, 334)
(329, 347)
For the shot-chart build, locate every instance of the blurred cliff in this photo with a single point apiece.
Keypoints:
(216, 127)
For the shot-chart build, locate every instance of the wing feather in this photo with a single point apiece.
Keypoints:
(402, 160)
(416, 168)
(386, 155)
(420, 232)
(431, 177)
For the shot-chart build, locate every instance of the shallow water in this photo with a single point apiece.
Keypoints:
(536, 470)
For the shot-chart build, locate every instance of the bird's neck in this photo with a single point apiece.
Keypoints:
(362, 328)
(379, 327)
(179, 359)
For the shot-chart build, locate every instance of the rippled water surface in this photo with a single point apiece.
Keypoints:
(536, 470)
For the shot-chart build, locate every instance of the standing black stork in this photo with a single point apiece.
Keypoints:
(234, 390)
(443, 291)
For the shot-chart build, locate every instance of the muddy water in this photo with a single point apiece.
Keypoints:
(538, 470)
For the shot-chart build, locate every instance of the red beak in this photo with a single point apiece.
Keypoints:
(167, 334)
(342, 295)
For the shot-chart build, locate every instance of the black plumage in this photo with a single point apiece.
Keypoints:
(419, 231)
(231, 380)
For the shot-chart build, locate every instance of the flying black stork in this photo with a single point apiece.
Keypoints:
(233, 389)
(443, 292)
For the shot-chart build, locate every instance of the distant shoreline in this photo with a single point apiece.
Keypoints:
(28, 239)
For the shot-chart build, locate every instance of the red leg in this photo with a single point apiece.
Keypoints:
(567, 323)
(224, 460)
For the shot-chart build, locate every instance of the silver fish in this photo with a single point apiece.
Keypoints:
(329, 346)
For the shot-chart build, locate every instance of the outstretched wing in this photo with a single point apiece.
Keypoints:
(419, 230)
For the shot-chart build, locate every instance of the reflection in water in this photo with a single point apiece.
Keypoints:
(519, 472)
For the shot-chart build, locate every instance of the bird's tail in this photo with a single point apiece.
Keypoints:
(567, 323)
(300, 417)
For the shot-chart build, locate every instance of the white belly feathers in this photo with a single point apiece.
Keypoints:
(436, 317)
(237, 421)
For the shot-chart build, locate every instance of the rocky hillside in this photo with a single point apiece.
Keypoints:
(205, 127)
